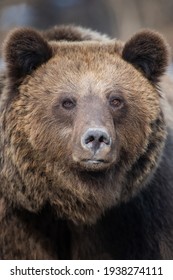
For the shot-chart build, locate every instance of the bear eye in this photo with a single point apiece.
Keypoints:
(116, 102)
(68, 103)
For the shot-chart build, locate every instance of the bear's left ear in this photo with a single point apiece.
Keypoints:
(148, 52)
(25, 50)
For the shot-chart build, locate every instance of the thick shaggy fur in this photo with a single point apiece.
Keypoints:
(58, 200)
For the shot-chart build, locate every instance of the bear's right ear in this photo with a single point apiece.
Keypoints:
(25, 50)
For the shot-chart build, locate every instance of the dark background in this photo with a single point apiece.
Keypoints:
(118, 18)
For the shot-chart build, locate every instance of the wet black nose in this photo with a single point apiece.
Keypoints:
(95, 139)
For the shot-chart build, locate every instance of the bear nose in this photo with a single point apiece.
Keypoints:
(95, 139)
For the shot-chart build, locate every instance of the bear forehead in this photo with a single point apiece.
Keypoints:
(86, 56)
(91, 64)
(110, 47)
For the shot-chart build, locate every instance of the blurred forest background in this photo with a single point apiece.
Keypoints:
(118, 18)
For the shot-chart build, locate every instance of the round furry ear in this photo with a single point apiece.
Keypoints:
(25, 50)
(148, 52)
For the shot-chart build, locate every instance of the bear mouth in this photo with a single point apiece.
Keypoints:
(94, 164)
(94, 161)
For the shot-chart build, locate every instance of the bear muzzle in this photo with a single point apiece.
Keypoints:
(95, 149)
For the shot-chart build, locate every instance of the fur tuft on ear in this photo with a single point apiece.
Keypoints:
(148, 52)
(25, 50)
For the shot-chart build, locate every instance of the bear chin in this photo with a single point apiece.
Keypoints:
(84, 197)
(94, 165)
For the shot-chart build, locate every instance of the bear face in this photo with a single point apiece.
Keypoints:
(82, 127)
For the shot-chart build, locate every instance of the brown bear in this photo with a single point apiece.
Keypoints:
(86, 147)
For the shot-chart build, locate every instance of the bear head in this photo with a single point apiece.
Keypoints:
(81, 125)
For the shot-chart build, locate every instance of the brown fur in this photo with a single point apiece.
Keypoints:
(72, 33)
(146, 51)
(42, 161)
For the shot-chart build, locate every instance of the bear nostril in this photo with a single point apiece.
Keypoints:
(104, 139)
(89, 139)
(95, 139)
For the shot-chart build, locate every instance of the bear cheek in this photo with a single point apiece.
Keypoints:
(54, 147)
(133, 138)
